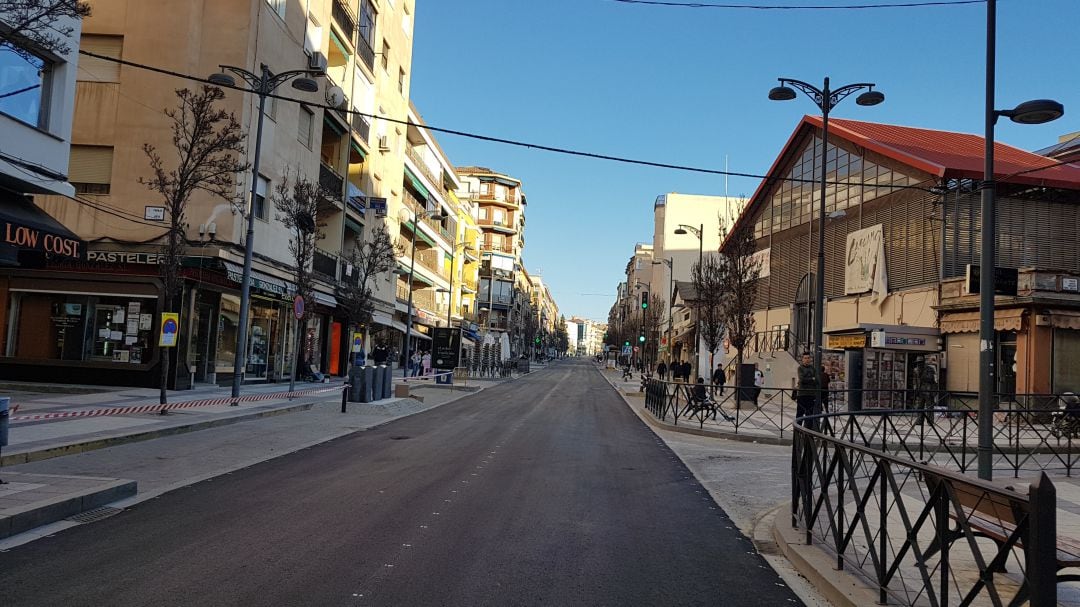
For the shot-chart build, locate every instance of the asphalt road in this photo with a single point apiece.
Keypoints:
(542, 491)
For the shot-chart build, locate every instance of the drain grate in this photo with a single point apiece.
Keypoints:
(95, 515)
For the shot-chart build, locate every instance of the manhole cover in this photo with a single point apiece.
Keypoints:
(96, 514)
(400, 437)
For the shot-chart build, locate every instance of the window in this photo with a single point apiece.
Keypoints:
(70, 326)
(406, 22)
(307, 119)
(92, 69)
(401, 81)
(278, 7)
(259, 207)
(385, 56)
(90, 169)
(24, 85)
(368, 17)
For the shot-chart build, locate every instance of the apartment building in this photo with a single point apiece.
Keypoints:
(364, 47)
(500, 214)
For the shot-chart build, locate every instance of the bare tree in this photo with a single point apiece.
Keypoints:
(654, 315)
(710, 282)
(208, 146)
(368, 259)
(297, 199)
(562, 336)
(44, 24)
(742, 270)
(530, 327)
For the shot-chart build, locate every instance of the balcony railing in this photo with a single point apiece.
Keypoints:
(361, 125)
(344, 17)
(325, 265)
(423, 298)
(494, 196)
(432, 260)
(331, 181)
(402, 291)
(364, 50)
(502, 248)
(418, 159)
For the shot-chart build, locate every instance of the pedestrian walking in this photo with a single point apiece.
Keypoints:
(414, 364)
(687, 369)
(759, 383)
(807, 393)
(718, 380)
(380, 354)
(661, 371)
(425, 362)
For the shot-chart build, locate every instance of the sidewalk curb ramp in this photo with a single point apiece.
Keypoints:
(122, 437)
(839, 587)
(61, 505)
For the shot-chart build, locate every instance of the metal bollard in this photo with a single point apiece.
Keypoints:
(344, 397)
(5, 416)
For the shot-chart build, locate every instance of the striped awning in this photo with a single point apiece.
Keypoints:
(414, 181)
(968, 322)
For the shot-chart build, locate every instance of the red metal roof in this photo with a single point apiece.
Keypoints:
(952, 155)
(942, 153)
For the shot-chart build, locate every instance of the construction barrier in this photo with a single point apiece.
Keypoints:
(171, 406)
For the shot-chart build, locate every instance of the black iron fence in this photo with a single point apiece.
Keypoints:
(922, 534)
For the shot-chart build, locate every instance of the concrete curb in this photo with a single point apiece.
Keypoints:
(38, 514)
(839, 587)
(35, 455)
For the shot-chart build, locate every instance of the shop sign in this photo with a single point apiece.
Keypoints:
(1006, 280)
(902, 341)
(446, 347)
(845, 342)
(129, 257)
(357, 342)
(170, 328)
(257, 283)
(864, 264)
(33, 239)
(298, 307)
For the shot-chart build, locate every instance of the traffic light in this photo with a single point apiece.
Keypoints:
(644, 300)
(641, 338)
(627, 343)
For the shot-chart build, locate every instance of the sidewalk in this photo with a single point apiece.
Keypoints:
(816, 564)
(42, 487)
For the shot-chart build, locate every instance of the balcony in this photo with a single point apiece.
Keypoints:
(424, 298)
(344, 17)
(505, 226)
(363, 48)
(324, 265)
(331, 181)
(360, 126)
(432, 259)
(469, 284)
(500, 248)
(418, 160)
(402, 291)
(507, 199)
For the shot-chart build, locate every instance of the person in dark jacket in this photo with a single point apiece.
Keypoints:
(661, 371)
(809, 385)
(380, 354)
(718, 377)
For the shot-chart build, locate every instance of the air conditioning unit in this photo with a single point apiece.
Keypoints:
(317, 61)
(384, 144)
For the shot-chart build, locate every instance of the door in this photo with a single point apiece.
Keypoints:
(204, 325)
(335, 348)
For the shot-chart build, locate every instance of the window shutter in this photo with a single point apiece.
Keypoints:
(92, 69)
(90, 164)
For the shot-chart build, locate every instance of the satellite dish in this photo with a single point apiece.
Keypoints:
(335, 96)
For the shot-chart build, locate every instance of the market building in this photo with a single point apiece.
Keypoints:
(902, 247)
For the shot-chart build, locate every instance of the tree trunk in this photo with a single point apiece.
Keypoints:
(738, 376)
(166, 358)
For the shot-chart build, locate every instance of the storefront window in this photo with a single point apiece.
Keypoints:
(262, 344)
(81, 327)
(228, 320)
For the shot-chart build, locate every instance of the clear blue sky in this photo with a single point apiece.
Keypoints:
(688, 86)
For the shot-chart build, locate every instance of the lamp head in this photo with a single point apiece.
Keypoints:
(306, 85)
(1036, 111)
(870, 98)
(681, 231)
(781, 93)
(222, 79)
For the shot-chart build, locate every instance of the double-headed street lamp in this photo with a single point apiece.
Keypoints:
(441, 214)
(826, 99)
(262, 84)
(1029, 112)
(700, 233)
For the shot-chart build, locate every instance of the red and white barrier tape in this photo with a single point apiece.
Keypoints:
(172, 406)
(427, 377)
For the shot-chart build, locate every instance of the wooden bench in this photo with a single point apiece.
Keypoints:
(994, 516)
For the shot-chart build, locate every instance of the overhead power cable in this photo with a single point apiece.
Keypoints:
(803, 7)
(503, 140)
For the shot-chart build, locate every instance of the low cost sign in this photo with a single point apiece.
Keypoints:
(170, 329)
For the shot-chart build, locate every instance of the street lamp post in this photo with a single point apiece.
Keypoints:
(262, 84)
(1030, 112)
(412, 268)
(826, 99)
(700, 233)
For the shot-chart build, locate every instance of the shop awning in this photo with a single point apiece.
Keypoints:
(327, 300)
(380, 318)
(26, 227)
(417, 276)
(968, 322)
(259, 280)
(416, 333)
(415, 183)
(1065, 319)
(420, 235)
